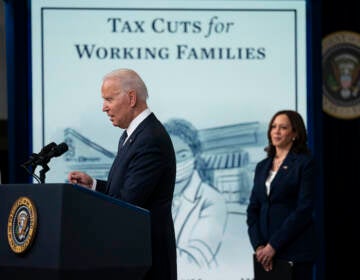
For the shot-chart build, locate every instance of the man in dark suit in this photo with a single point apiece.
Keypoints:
(143, 172)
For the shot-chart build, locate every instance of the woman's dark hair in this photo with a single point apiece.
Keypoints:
(300, 145)
(186, 131)
(189, 134)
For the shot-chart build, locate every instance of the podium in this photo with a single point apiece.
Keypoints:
(75, 233)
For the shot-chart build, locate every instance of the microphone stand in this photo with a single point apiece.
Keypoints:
(42, 172)
(43, 158)
(34, 161)
(31, 173)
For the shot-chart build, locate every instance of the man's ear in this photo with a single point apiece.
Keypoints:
(132, 97)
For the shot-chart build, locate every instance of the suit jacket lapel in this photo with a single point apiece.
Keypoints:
(138, 130)
(125, 147)
(283, 171)
(264, 174)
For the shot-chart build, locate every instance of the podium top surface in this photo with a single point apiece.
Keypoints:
(26, 188)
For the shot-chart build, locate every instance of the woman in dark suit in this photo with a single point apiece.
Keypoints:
(280, 211)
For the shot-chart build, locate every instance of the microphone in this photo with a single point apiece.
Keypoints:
(56, 151)
(47, 148)
(46, 154)
(35, 159)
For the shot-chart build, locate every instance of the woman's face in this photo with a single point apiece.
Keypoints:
(185, 163)
(281, 132)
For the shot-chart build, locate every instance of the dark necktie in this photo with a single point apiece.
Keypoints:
(122, 140)
(117, 158)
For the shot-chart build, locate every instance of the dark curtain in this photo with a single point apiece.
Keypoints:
(18, 66)
(341, 138)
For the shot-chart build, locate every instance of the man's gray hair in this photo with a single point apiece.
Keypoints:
(129, 80)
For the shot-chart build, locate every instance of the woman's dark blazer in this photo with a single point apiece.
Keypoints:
(143, 173)
(284, 218)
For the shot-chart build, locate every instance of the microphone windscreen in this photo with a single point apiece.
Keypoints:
(60, 149)
(46, 149)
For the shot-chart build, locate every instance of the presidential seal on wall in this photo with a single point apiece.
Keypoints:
(22, 224)
(341, 74)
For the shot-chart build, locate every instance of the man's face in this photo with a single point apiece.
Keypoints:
(116, 103)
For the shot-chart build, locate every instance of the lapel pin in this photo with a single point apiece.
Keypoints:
(285, 167)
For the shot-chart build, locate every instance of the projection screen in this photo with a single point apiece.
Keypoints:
(225, 67)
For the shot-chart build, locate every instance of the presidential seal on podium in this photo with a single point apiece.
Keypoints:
(22, 225)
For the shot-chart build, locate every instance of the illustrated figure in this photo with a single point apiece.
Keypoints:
(199, 209)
